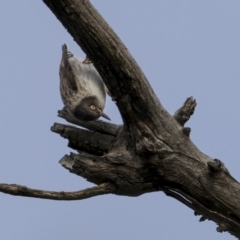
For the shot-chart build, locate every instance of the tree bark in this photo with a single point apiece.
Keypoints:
(152, 150)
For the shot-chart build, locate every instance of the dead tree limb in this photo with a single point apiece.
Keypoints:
(97, 126)
(80, 139)
(23, 191)
(152, 151)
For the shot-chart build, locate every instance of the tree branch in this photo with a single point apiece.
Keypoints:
(96, 126)
(118, 168)
(18, 190)
(183, 114)
(84, 140)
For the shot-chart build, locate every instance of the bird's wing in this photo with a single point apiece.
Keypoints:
(89, 82)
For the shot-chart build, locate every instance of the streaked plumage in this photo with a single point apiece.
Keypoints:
(83, 91)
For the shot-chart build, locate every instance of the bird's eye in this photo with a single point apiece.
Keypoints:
(92, 107)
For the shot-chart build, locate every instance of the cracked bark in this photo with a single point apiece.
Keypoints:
(149, 152)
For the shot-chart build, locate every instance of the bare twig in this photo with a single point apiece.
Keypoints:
(18, 190)
(183, 114)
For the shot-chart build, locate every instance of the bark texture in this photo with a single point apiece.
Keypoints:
(152, 150)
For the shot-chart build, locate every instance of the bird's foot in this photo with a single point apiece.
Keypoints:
(87, 60)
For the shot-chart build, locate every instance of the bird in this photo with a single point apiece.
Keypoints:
(82, 89)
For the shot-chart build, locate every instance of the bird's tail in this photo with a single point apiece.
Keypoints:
(68, 84)
(65, 52)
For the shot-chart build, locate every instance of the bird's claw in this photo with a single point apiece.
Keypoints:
(87, 60)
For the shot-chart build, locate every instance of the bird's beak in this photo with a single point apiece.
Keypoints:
(102, 114)
(105, 116)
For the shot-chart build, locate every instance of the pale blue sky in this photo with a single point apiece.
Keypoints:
(186, 48)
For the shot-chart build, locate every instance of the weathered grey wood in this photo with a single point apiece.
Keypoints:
(183, 114)
(84, 140)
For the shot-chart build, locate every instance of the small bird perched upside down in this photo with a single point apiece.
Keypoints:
(83, 91)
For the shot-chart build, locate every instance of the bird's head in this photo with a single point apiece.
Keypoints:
(89, 109)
